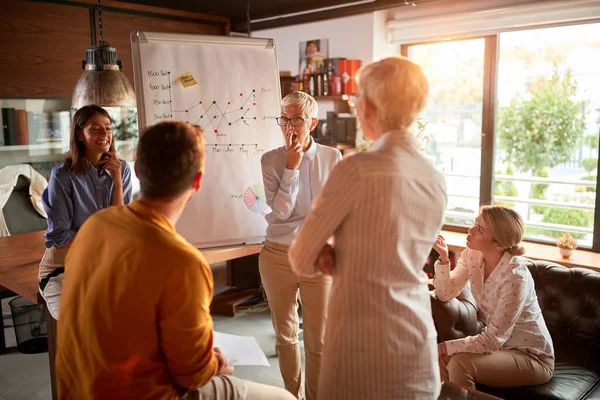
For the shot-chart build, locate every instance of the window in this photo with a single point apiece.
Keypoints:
(524, 134)
(450, 127)
(546, 150)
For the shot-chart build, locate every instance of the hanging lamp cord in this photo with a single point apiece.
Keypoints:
(102, 42)
(247, 17)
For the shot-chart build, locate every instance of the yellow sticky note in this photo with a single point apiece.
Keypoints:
(187, 80)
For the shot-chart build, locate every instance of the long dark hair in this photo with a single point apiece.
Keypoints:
(75, 160)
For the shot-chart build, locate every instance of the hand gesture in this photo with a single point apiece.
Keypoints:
(442, 350)
(442, 249)
(224, 367)
(326, 261)
(294, 150)
(113, 165)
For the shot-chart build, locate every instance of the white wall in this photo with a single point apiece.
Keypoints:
(350, 37)
(382, 46)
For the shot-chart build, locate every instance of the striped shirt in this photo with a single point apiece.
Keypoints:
(290, 193)
(508, 300)
(385, 208)
(70, 198)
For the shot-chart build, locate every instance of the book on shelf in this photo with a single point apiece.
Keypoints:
(22, 128)
(34, 126)
(9, 126)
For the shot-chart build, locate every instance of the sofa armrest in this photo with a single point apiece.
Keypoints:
(456, 318)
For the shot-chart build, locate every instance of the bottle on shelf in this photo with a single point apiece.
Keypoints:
(326, 91)
(306, 80)
(312, 85)
(319, 80)
(336, 85)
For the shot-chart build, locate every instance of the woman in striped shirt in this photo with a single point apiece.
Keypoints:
(91, 178)
(384, 208)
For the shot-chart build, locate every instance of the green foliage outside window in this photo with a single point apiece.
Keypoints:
(542, 131)
(505, 188)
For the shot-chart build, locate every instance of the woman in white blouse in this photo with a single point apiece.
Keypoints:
(384, 208)
(515, 347)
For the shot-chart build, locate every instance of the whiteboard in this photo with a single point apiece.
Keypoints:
(235, 100)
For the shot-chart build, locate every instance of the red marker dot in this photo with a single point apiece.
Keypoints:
(215, 131)
(228, 102)
(241, 94)
(186, 110)
(253, 104)
(200, 102)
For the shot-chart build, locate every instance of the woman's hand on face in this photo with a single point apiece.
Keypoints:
(113, 165)
(294, 151)
(442, 249)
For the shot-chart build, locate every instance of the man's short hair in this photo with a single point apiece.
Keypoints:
(307, 103)
(169, 156)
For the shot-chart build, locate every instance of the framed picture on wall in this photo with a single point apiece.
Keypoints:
(312, 56)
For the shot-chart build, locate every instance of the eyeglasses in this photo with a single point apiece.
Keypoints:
(296, 121)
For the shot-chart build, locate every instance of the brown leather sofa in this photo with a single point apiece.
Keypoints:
(570, 301)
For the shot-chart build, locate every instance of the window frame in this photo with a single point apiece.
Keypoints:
(489, 113)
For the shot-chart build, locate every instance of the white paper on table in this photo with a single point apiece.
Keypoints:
(240, 350)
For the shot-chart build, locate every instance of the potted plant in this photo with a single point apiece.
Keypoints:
(566, 244)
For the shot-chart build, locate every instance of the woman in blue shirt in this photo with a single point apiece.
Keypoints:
(86, 182)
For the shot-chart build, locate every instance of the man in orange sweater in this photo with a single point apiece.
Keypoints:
(135, 309)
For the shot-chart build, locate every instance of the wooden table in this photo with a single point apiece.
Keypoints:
(20, 256)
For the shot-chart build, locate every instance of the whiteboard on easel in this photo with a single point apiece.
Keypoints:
(229, 86)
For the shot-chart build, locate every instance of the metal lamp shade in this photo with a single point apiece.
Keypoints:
(102, 82)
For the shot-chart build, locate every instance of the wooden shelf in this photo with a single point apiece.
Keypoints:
(46, 146)
(581, 258)
(343, 97)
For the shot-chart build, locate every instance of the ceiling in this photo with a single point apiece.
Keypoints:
(236, 10)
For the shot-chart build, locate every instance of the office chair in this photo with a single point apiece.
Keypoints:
(20, 217)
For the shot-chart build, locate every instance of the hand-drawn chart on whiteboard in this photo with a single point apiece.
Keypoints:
(230, 88)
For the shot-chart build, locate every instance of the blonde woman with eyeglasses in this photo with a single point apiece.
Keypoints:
(293, 176)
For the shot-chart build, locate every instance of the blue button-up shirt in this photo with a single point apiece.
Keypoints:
(70, 198)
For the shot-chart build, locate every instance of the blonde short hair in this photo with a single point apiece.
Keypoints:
(397, 88)
(307, 103)
(506, 226)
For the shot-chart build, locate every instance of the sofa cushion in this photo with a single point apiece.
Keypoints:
(569, 299)
(569, 382)
(456, 318)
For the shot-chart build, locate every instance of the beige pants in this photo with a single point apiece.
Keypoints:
(53, 258)
(223, 387)
(281, 285)
(503, 368)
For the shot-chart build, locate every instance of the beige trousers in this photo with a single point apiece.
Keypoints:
(223, 387)
(503, 368)
(53, 258)
(281, 286)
